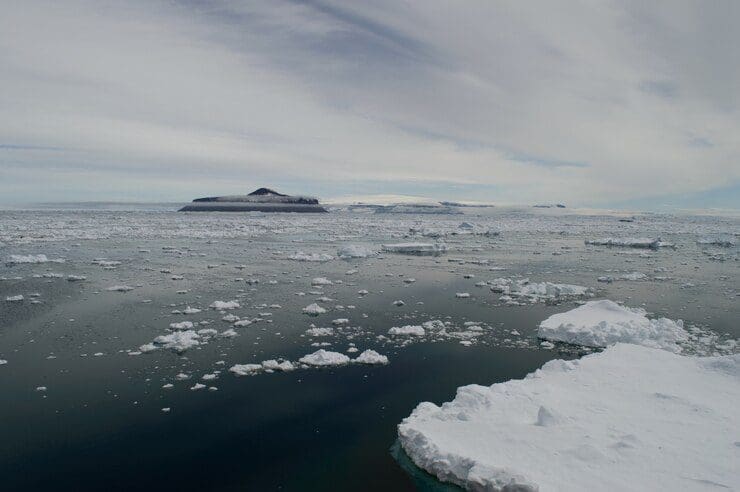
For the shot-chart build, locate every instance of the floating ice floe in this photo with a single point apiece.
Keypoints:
(310, 257)
(408, 330)
(18, 298)
(370, 357)
(355, 251)
(178, 341)
(524, 290)
(603, 323)
(18, 259)
(320, 332)
(3, 362)
(321, 281)
(223, 305)
(314, 309)
(631, 242)
(182, 325)
(323, 358)
(723, 241)
(120, 288)
(589, 424)
(415, 248)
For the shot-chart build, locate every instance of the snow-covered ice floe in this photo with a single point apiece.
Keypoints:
(314, 309)
(18, 259)
(222, 305)
(628, 242)
(415, 248)
(629, 418)
(517, 290)
(355, 251)
(324, 358)
(603, 323)
(310, 257)
(724, 241)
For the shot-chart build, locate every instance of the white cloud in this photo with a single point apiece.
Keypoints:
(223, 96)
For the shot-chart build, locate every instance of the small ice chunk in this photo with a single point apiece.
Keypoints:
(412, 330)
(314, 309)
(370, 357)
(323, 358)
(355, 251)
(222, 305)
(120, 288)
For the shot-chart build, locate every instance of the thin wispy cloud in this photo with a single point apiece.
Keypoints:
(588, 103)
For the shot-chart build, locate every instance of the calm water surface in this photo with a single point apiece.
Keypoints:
(99, 424)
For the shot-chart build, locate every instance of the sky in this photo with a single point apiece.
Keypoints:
(589, 103)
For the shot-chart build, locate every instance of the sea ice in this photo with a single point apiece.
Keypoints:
(310, 257)
(221, 305)
(603, 323)
(324, 358)
(16, 259)
(120, 288)
(179, 341)
(355, 251)
(413, 330)
(182, 325)
(370, 357)
(314, 309)
(523, 289)
(629, 418)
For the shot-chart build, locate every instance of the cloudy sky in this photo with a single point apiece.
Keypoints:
(589, 103)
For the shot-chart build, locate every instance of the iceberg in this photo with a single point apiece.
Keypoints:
(629, 418)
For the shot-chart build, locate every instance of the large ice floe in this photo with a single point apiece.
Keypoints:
(603, 323)
(629, 418)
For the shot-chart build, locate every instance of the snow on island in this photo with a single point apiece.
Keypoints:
(629, 418)
(603, 323)
(260, 200)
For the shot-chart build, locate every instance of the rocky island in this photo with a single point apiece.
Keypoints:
(261, 200)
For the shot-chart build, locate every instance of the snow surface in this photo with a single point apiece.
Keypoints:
(629, 418)
(603, 323)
